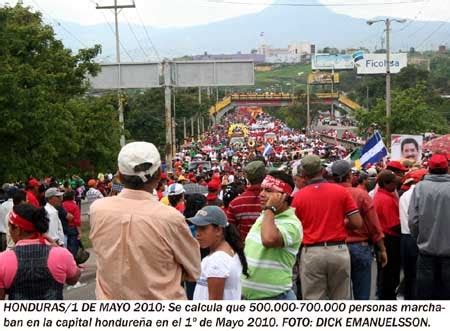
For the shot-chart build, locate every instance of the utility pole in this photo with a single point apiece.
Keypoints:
(120, 100)
(199, 95)
(388, 22)
(308, 114)
(174, 126)
(332, 93)
(168, 114)
(192, 127)
(388, 82)
(184, 128)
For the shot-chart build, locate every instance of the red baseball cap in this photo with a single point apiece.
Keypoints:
(33, 183)
(415, 175)
(438, 161)
(396, 165)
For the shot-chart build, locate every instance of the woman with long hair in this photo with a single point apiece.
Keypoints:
(221, 270)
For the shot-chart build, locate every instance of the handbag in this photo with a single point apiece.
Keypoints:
(82, 254)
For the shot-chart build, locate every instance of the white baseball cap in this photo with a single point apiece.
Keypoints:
(139, 158)
(176, 189)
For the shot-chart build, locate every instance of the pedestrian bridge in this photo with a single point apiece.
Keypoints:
(277, 100)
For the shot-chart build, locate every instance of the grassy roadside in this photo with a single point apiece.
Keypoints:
(282, 75)
(85, 228)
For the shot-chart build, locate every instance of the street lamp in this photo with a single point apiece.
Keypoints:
(388, 22)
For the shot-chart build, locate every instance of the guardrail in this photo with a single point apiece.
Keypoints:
(220, 105)
(349, 103)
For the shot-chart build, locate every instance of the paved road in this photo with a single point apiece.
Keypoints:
(86, 292)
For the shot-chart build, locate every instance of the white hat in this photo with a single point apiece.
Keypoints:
(142, 154)
(53, 192)
(372, 172)
(176, 189)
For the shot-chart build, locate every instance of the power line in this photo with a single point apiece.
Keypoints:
(408, 24)
(135, 37)
(60, 24)
(148, 36)
(120, 43)
(295, 4)
(431, 34)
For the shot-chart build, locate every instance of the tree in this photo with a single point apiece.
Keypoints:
(295, 115)
(411, 114)
(38, 78)
(145, 120)
(440, 73)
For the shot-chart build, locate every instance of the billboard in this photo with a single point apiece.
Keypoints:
(321, 78)
(371, 64)
(213, 73)
(405, 146)
(132, 75)
(332, 62)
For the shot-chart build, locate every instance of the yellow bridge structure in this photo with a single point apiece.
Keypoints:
(279, 97)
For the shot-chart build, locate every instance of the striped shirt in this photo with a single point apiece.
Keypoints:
(270, 269)
(245, 209)
(93, 194)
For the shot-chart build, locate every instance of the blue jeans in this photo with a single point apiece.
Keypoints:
(288, 295)
(433, 277)
(73, 244)
(361, 269)
(409, 253)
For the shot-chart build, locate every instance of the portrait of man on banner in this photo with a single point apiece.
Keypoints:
(406, 147)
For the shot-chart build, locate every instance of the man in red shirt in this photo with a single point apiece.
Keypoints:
(322, 208)
(387, 207)
(33, 192)
(360, 241)
(246, 208)
(73, 226)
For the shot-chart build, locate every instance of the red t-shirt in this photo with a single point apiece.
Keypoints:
(71, 207)
(386, 206)
(32, 200)
(322, 208)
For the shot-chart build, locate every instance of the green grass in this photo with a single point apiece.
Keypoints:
(85, 228)
(283, 76)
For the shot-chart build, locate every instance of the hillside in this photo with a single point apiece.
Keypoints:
(281, 25)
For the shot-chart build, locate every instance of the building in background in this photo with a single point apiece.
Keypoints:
(294, 53)
(256, 58)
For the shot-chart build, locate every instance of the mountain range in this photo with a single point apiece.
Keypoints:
(282, 25)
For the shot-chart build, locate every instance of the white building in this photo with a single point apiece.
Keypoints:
(294, 53)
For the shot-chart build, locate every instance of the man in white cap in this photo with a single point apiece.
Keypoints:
(55, 228)
(144, 249)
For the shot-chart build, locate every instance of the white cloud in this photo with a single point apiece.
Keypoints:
(179, 13)
(427, 10)
(158, 13)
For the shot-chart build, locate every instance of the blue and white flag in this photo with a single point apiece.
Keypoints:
(374, 150)
(267, 150)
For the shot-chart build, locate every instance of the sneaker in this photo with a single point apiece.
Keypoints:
(77, 285)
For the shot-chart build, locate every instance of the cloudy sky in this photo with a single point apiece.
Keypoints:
(165, 13)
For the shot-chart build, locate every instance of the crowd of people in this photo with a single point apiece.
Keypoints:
(250, 210)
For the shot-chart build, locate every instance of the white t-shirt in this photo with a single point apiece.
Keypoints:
(405, 200)
(220, 265)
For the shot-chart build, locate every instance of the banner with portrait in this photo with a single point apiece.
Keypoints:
(405, 146)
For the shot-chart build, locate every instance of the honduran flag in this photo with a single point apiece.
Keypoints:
(268, 150)
(374, 150)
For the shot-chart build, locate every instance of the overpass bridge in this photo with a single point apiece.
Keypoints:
(233, 100)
